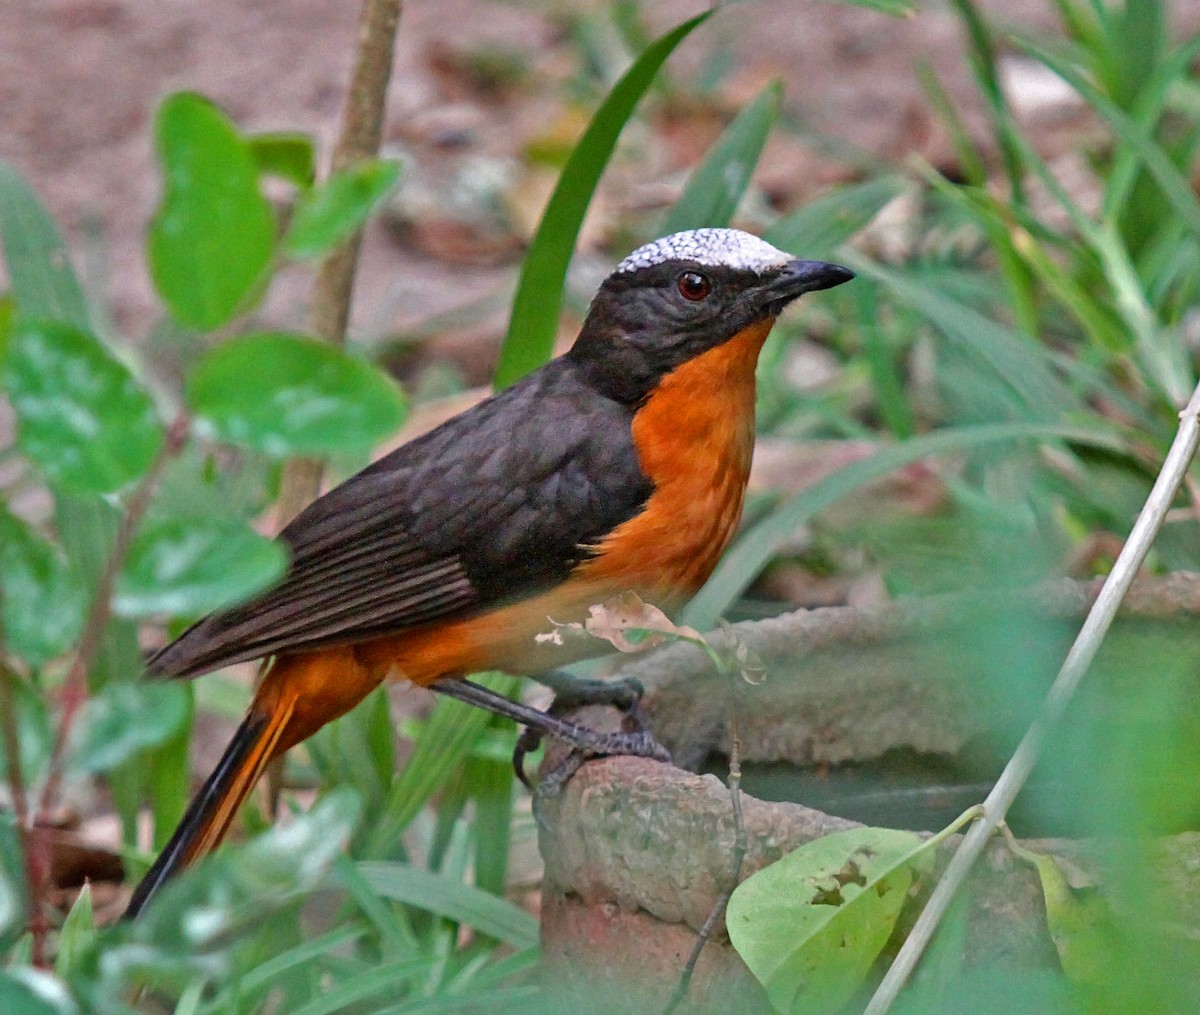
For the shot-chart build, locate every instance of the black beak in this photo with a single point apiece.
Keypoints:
(799, 277)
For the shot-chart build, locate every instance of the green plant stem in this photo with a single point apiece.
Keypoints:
(74, 691)
(1029, 751)
(361, 132)
(20, 805)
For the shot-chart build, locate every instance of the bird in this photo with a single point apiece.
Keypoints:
(620, 466)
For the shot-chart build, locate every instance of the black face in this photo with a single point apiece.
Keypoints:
(644, 323)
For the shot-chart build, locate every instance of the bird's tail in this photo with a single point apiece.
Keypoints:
(212, 810)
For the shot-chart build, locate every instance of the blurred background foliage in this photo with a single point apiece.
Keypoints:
(986, 407)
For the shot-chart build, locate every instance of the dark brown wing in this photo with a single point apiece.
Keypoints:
(497, 504)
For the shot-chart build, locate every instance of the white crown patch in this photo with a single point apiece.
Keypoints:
(713, 248)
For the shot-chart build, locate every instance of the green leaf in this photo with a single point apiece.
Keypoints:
(78, 933)
(811, 925)
(332, 212)
(214, 233)
(538, 299)
(758, 544)
(896, 8)
(81, 415)
(1081, 923)
(12, 881)
(125, 717)
(33, 731)
(43, 601)
(286, 394)
(823, 225)
(191, 566)
(39, 270)
(285, 154)
(444, 896)
(29, 991)
(716, 186)
(446, 738)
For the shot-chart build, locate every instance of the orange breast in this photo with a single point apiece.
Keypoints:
(695, 438)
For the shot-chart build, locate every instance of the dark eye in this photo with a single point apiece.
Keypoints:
(694, 286)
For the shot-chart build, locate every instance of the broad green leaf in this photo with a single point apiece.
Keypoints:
(759, 543)
(214, 232)
(43, 602)
(716, 186)
(811, 925)
(125, 717)
(287, 155)
(444, 896)
(536, 304)
(81, 415)
(823, 225)
(331, 212)
(78, 933)
(39, 271)
(286, 394)
(191, 566)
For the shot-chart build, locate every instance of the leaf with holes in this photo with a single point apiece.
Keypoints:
(81, 415)
(214, 233)
(287, 394)
(811, 925)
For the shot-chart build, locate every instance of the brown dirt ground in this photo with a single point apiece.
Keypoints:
(79, 81)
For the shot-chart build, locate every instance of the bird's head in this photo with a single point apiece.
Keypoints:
(684, 294)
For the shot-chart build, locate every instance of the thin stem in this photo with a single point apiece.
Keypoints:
(74, 691)
(1083, 651)
(361, 132)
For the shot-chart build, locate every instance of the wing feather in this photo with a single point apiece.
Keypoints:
(499, 503)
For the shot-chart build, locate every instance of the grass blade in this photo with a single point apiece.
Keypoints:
(444, 896)
(823, 225)
(758, 544)
(715, 188)
(534, 320)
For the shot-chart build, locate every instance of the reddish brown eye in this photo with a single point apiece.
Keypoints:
(694, 286)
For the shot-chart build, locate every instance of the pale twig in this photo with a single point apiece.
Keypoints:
(1083, 651)
(74, 690)
(361, 132)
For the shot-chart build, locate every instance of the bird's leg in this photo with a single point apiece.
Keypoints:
(587, 741)
(572, 692)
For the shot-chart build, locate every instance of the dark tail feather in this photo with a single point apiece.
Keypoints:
(213, 809)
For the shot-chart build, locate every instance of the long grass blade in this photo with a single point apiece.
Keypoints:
(534, 320)
(755, 547)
